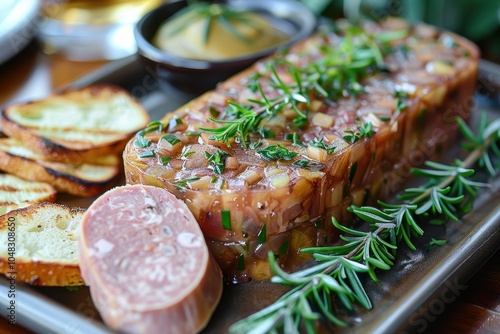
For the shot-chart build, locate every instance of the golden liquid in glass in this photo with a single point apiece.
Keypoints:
(96, 12)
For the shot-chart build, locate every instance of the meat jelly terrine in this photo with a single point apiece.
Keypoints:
(266, 159)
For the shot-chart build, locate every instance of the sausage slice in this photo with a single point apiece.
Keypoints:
(147, 264)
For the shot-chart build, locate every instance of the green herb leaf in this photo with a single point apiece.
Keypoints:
(226, 219)
(182, 183)
(217, 160)
(164, 160)
(262, 234)
(147, 154)
(276, 152)
(141, 142)
(172, 139)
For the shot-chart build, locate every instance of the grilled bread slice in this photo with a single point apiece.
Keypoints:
(80, 180)
(17, 193)
(78, 125)
(44, 237)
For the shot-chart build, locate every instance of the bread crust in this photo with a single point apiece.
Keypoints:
(43, 274)
(75, 152)
(39, 272)
(18, 193)
(31, 170)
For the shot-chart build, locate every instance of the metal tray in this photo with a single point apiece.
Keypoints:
(408, 297)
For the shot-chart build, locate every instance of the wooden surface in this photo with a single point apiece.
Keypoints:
(32, 75)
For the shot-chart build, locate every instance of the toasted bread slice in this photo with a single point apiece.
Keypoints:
(80, 180)
(76, 125)
(44, 237)
(16, 147)
(17, 193)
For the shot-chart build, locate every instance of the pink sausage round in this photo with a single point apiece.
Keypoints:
(145, 259)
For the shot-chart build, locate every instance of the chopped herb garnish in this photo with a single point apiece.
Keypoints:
(294, 137)
(365, 131)
(193, 133)
(302, 163)
(182, 183)
(226, 219)
(171, 139)
(400, 105)
(164, 160)
(241, 263)
(147, 154)
(276, 152)
(400, 100)
(185, 153)
(262, 234)
(299, 122)
(320, 142)
(266, 133)
(255, 145)
(141, 142)
(152, 126)
(217, 160)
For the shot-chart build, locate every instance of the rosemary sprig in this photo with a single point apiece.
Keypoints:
(338, 73)
(212, 13)
(339, 266)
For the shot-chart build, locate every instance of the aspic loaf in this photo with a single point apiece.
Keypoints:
(76, 126)
(380, 99)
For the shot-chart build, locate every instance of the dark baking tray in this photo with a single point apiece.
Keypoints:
(408, 297)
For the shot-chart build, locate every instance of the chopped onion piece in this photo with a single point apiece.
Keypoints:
(310, 175)
(316, 153)
(279, 180)
(278, 120)
(440, 67)
(251, 176)
(166, 148)
(323, 120)
(201, 184)
(232, 163)
(315, 105)
(272, 170)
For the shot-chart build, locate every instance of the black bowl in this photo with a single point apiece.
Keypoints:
(289, 16)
